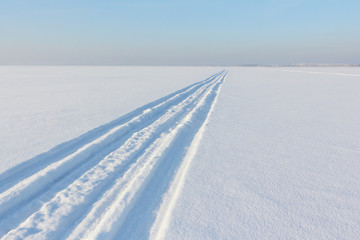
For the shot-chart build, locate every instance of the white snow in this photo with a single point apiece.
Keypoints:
(247, 153)
(41, 107)
(279, 159)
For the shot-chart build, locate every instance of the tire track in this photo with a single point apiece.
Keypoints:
(14, 175)
(164, 214)
(126, 210)
(56, 176)
(97, 199)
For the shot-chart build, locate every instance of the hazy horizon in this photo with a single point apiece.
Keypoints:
(179, 33)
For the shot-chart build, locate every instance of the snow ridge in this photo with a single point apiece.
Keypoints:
(96, 186)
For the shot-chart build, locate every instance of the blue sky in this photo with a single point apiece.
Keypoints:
(137, 32)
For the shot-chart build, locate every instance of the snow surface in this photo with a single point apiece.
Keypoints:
(41, 107)
(260, 153)
(280, 159)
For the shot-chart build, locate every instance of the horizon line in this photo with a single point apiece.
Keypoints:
(197, 65)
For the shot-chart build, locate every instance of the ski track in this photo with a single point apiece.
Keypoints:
(161, 224)
(109, 182)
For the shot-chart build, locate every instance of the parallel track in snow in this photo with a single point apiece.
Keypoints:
(106, 184)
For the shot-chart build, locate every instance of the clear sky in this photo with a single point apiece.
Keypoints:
(188, 32)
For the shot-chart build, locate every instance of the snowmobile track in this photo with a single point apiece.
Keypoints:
(109, 182)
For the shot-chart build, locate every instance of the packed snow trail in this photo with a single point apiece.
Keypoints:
(95, 188)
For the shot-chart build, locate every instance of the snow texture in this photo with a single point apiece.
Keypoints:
(41, 107)
(279, 159)
(107, 183)
(246, 153)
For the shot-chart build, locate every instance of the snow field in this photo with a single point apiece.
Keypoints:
(44, 106)
(100, 185)
(279, 159)
(274, 155)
